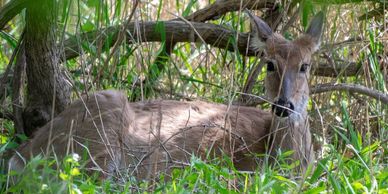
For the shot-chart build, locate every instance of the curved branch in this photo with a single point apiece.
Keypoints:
(179, 31)
(175, 31)
(10, 10)
(353, 88)
(210, 12)
(219, 8)
(253, 100)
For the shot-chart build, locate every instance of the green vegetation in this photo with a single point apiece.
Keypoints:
(350, 130)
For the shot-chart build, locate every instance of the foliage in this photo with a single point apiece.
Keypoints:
(348, 171)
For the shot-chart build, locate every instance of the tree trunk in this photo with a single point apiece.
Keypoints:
(48, 91)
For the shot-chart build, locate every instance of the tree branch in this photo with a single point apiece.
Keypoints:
(212, 11)
(352, 88)
(179, 31)
(339, 69)
(10, 10)
(175, 31)
(220, 8)
(252, 100)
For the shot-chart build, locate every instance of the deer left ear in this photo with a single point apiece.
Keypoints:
(315, 29)
(260, 32)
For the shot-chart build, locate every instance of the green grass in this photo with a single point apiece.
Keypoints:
(347, 171)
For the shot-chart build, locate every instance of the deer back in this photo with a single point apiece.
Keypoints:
(146, 138)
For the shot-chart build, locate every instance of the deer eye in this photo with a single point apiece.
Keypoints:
(304, 67)
(270, 66)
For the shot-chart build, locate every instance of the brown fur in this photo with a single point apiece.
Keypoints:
(146, 138)
(291, 133)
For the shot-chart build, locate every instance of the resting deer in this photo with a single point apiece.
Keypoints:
(144, 138)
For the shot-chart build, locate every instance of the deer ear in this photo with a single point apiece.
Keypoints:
(316, 27)
(259, 28)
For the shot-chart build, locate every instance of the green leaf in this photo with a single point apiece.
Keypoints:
(199, 81)
(88, 26)
(321, 166)
(92, 3)
(316, 190)
(307, 8)
(358, 186)
(161, 29)
(371, 148)
(187, 11)
(10, 39)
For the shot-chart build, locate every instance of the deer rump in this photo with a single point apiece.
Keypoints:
(145, 138)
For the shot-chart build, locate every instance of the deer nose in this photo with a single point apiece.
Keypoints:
(282, 108)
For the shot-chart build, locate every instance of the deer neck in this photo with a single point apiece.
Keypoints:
(292, 134)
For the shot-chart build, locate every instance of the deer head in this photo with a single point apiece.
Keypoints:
(288, 64)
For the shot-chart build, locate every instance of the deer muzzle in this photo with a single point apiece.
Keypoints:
(282, 108)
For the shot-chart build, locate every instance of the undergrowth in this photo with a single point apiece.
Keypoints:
(349, 170)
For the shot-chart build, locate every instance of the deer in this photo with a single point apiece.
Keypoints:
(144, 139)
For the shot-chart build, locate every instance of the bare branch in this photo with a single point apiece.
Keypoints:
(212, 11)
(353, 88)
(338, 69)
(179, 31)
(220, 8)
(175, 31)
(321, 88)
